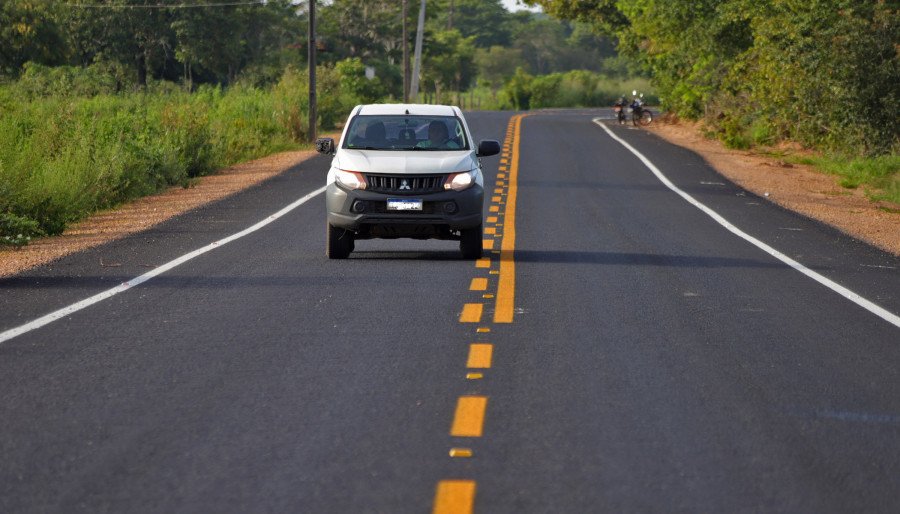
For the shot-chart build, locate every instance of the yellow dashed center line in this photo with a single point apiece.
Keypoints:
(478, 284)
(480, 355)
(469, 418)
(471, 313)
(506, 288)
(457, 496)
(454, 497)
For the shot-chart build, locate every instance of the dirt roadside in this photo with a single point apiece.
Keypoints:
(795, 187)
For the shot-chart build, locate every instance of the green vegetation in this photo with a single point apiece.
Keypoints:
(65, 156)
(101, 102)
(824, 73)
(881, 173)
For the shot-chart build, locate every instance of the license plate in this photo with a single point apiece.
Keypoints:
(404, 204)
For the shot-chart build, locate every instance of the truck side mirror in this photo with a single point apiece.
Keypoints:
(488, 147)
(325, 145)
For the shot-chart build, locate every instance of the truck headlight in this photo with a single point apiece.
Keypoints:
(460, 181)
(350, 179)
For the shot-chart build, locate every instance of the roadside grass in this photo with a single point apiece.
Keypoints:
(63, 157)
(880, 176)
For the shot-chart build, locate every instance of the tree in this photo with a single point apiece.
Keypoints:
(140, 38)
(496, 65)
(486, 21)
(448, 62)
(29, 31)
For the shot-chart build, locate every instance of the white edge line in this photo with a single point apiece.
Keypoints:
(99, 297)
(830, 284)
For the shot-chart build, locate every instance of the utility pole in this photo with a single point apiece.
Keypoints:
(405, 15)
(312, 70)
(417, 67)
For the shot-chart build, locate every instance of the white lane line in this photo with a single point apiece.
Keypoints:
(99, 297)
(830, 284)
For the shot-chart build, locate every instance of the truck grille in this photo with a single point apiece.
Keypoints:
(405, 184)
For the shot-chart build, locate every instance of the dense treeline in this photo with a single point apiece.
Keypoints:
(136, 41)
(822, 72)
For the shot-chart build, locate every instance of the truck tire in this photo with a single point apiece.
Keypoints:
(470, 240)
(338, 242)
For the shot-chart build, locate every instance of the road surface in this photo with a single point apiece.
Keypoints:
(618, 350)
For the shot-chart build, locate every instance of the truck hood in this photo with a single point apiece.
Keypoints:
(405, 162)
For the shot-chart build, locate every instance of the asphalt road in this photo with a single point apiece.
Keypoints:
(655, 362)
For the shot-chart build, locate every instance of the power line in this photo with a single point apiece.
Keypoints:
(167, 6)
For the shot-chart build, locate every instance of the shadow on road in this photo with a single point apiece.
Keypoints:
(640, 259)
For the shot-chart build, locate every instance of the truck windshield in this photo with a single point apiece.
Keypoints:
(404, 132)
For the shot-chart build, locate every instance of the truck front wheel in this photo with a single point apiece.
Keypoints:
(470, 240)
(338, 242)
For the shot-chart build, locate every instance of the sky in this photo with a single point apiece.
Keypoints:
(512, 5)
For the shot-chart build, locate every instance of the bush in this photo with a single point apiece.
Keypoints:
(63, 156)
(18, 230)
(577, 88)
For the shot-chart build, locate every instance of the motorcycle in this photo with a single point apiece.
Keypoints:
(639, 114)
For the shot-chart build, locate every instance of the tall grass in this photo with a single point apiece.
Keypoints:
(64, 156)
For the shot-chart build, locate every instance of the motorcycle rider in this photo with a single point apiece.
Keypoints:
(620, 106)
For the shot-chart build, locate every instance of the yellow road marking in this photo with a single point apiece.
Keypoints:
(454, 497)
(501, 175)
(471, 313)
(495, 208)
(492, 219)
(496, 199)
(478, 284)
(480, 355)
(490, 230)
(484, 262)
(498, 191)
(487, 244)
(469, 418)
(506, 285)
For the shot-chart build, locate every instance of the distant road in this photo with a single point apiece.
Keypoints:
(622, 351)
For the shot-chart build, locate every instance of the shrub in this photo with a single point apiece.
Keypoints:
(18, 230)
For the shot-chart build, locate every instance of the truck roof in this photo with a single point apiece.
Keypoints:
(411, 109)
